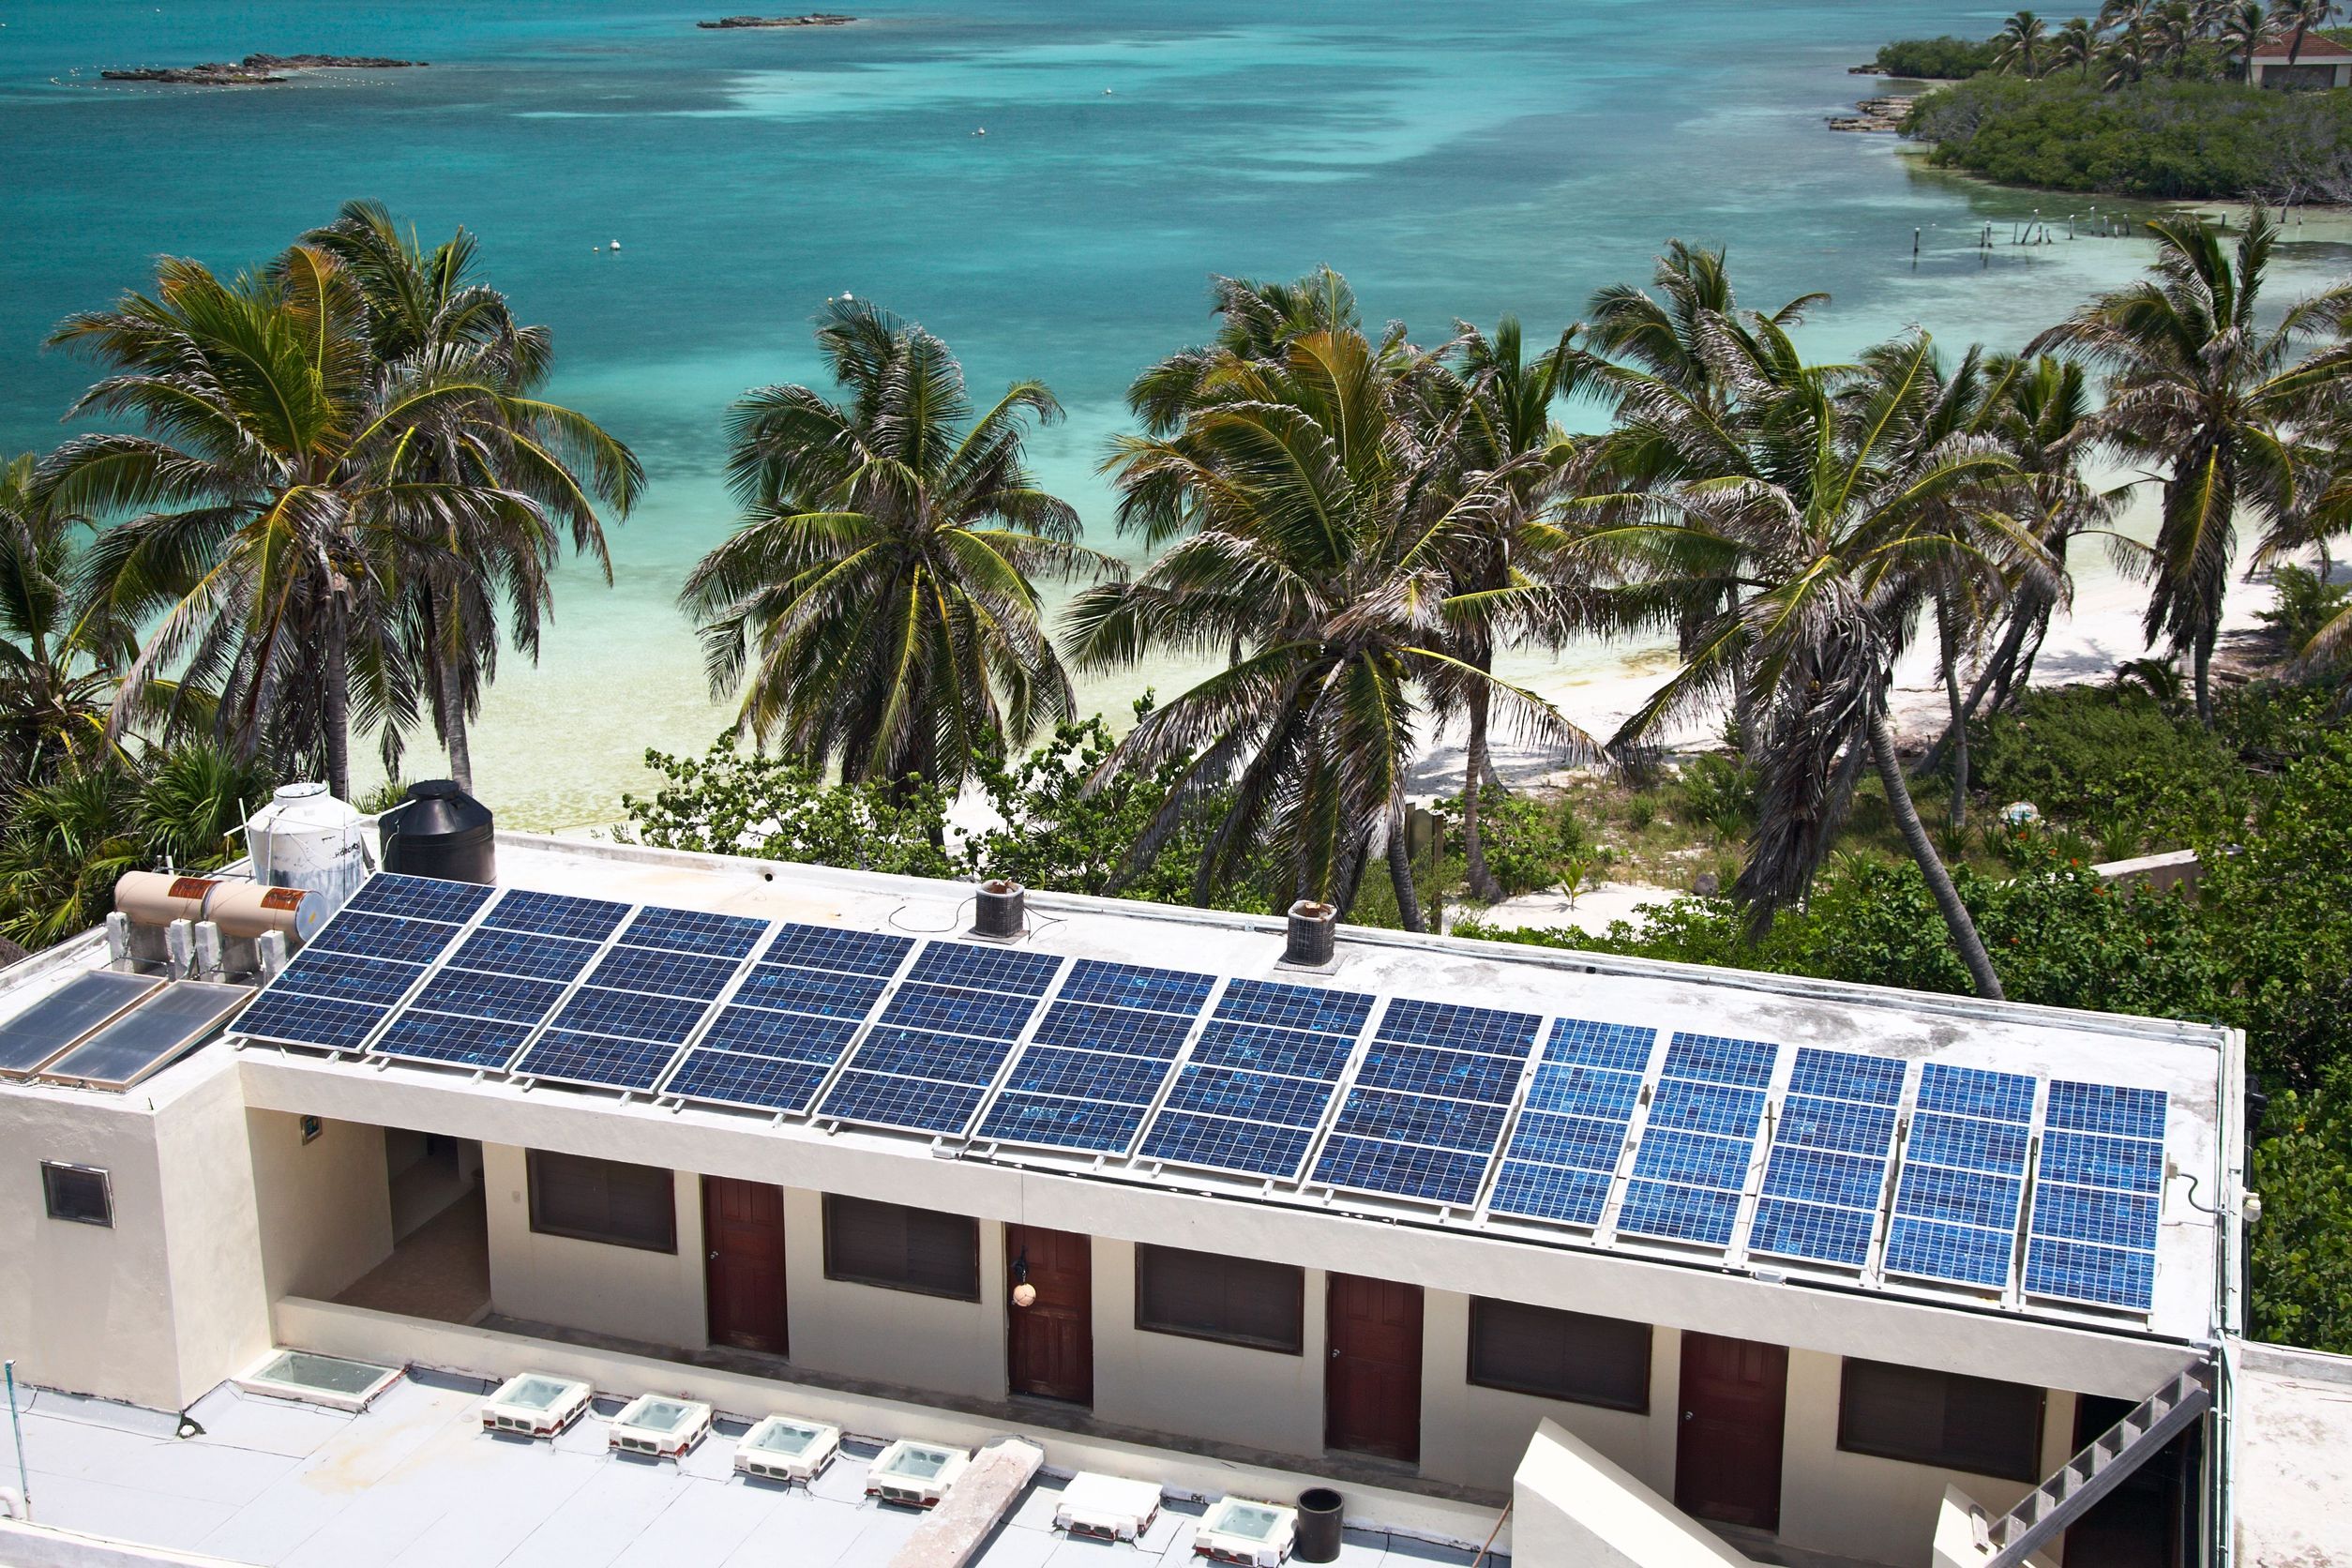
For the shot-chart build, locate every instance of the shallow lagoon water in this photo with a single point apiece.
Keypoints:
(1456, 161)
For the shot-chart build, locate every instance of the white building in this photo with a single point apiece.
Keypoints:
(1752, 1295)
(2321, 62)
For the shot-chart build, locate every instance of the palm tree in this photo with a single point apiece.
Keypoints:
(2126, 58)
(2293, 19)
(2244, 30)
(2075, 44)
(282, 462)
(58, 656)
(2193, 379)
(2172, 34)
(876, 606)
(426, 307)
(1325, 518)
(2122, 16)
(1664, 338)
(2021, 39)
(1815, 498)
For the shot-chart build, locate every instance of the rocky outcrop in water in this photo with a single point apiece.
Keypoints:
(814, 18)
(1876, 114)
(255, 69)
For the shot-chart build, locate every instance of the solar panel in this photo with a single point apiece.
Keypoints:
(2094, 1160)
(1295, 1006)
(521, 953)
(1706, 1107)
(1447, 1176)
(1163, 990)
(1289, 1051)
(1222, 1143)
(1677, 1213)
(1252, 1096)
(556, 914)
(347, 977)
(809, 990)
(1087, 1075)
(385, 936)
(959, 1011)
(926, 1054)
(33, 1036)
(149, 1037)
(595, 1060)
(420, 897)
(2094, 1275)
(723, 936)
(1974, 1092)
(1454, 1074)
(460, 1042)
(1958, 1201)
(505, 998)
(1963, 1253)
(1082, 1026)
(1266, 1065)
(1564, 1151)
(1098, 1059)
(2098, 1196)
(634, 1015)
(1814, 1176)
(1814, 1230)
(2105, 1107)
(1719, 1059)
(666, 973)
(290, 1017)
(1842, 1074)
(989, 968)
(871, 953)
(729, 1078)
(942, 1039)
(1827, 1173)
(1458, 1124)
(794, 1036)
(1691, 1168)
(1455, 1027)
(1062, 1122)
(908, 1104)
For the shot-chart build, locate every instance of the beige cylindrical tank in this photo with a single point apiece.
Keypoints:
(248, 909)
(158, 898)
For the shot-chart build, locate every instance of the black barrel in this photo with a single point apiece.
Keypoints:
(1319, 1526)
(440, 831)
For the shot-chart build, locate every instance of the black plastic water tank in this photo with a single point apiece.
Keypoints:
(440, 831)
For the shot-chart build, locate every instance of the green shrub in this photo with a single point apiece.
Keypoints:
(2304, 604)
(2302, 1167)
(1720, 791)
(1528, 840)
(1946, 58)
(2113, 764)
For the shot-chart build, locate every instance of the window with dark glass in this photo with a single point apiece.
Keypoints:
(603, 1200)
(78, 1193)
(1979, 1425)
(1206, 1295)
(900, 1248)
(1560, 1355)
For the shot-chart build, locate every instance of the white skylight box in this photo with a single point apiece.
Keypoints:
(660, 1426)
(1107, 1507)
(316, 1380)
(534, 1404)
(779, 1448)
(914, 1474)
(1237, 1530)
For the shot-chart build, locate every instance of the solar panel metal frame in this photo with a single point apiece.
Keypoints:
(1845, 1096)
(1598, 1055)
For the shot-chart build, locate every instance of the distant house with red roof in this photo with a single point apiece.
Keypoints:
(2321, 62)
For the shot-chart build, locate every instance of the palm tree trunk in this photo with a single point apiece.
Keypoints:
(1349, 877)
(1955, 913)
(335, 701)
(2204, 681)
(1483, 885)
(1959, 746)
(453, 726)
(1401, 872)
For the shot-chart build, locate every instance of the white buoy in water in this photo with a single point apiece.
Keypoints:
(597, 248)
(846, 294)
(616, 244)
(982, 131)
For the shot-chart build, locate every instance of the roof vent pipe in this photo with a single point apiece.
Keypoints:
(1313, 931)
(997, 909)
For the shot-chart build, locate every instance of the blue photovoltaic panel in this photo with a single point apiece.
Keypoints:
(920, 1053)
(1719, 1059)
(662, 1018)
(1623, 1047)
(1814, 1230)
(295, 1019)
(1264, 1002)
(1083, 1026)
(1087, 1075)
(1575, 1091)
(723, 936)
(2088, 1159)
(385, 936)
(1458, 1075)
(1706, 1107)
(1814, 1176)
(1163, 990)
(1840, 1125)
(1973, 1091)
(1964, 1254)
(465, 1042)
(729, 1079)
(808, 990)
(505, 998)
(1578, 1142)
(347, 978)
(1377, 1113)
(987, 968)
(521, 952)
(1683, 1213)
(596, 1060)
(848, 952)
(1273, 1050)
(420, 897)
(1453, 1027)
(1221, 1144)
(960, 1012)
(1959, 1197)
(2105, 1107)
(1449, 1176)
(665, 974)
(1061, 1123)
(1251, 1096)
(1968, 1143)
(2116, 1219)
(1693, 1159)
(756, 1032)
(2095, 1275)
(911, 1105)
(1547, 1192)
(1845, 1075)
(556, 914)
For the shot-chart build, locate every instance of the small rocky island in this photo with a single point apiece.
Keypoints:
(814, 18)
(255, 69)
(1876, 114)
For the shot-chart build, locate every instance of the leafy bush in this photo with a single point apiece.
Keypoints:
(2302, 1167)
(1720, 791)
(2112, 763)
(2305, 603)
(730, 802)
(1946, 58)
(2165, 139)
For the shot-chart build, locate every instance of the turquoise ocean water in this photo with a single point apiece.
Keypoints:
(1458, 159)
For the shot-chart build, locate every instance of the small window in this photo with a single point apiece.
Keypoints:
(1207, 1295)
(1560, 1355)
(603, 1200)
(78, 1193)
(900, 1248)
(1979, 1425)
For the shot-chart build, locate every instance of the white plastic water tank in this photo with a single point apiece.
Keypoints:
(306, 839)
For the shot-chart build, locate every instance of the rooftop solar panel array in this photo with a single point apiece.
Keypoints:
(1099, 1058)
(2096, 1195)
(1260, 1079)
(1429, 1104)
(1691, 1168)
(790, 1021)
(1956, 1204)
(503, 981)
(345, 984)
(940, 1041)
(1828, 1169)
(1571, 1135)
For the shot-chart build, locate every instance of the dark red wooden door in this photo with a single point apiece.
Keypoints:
(742, 1232)
(1050, 1344)
(1372, 1376)
(1735, 1398)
